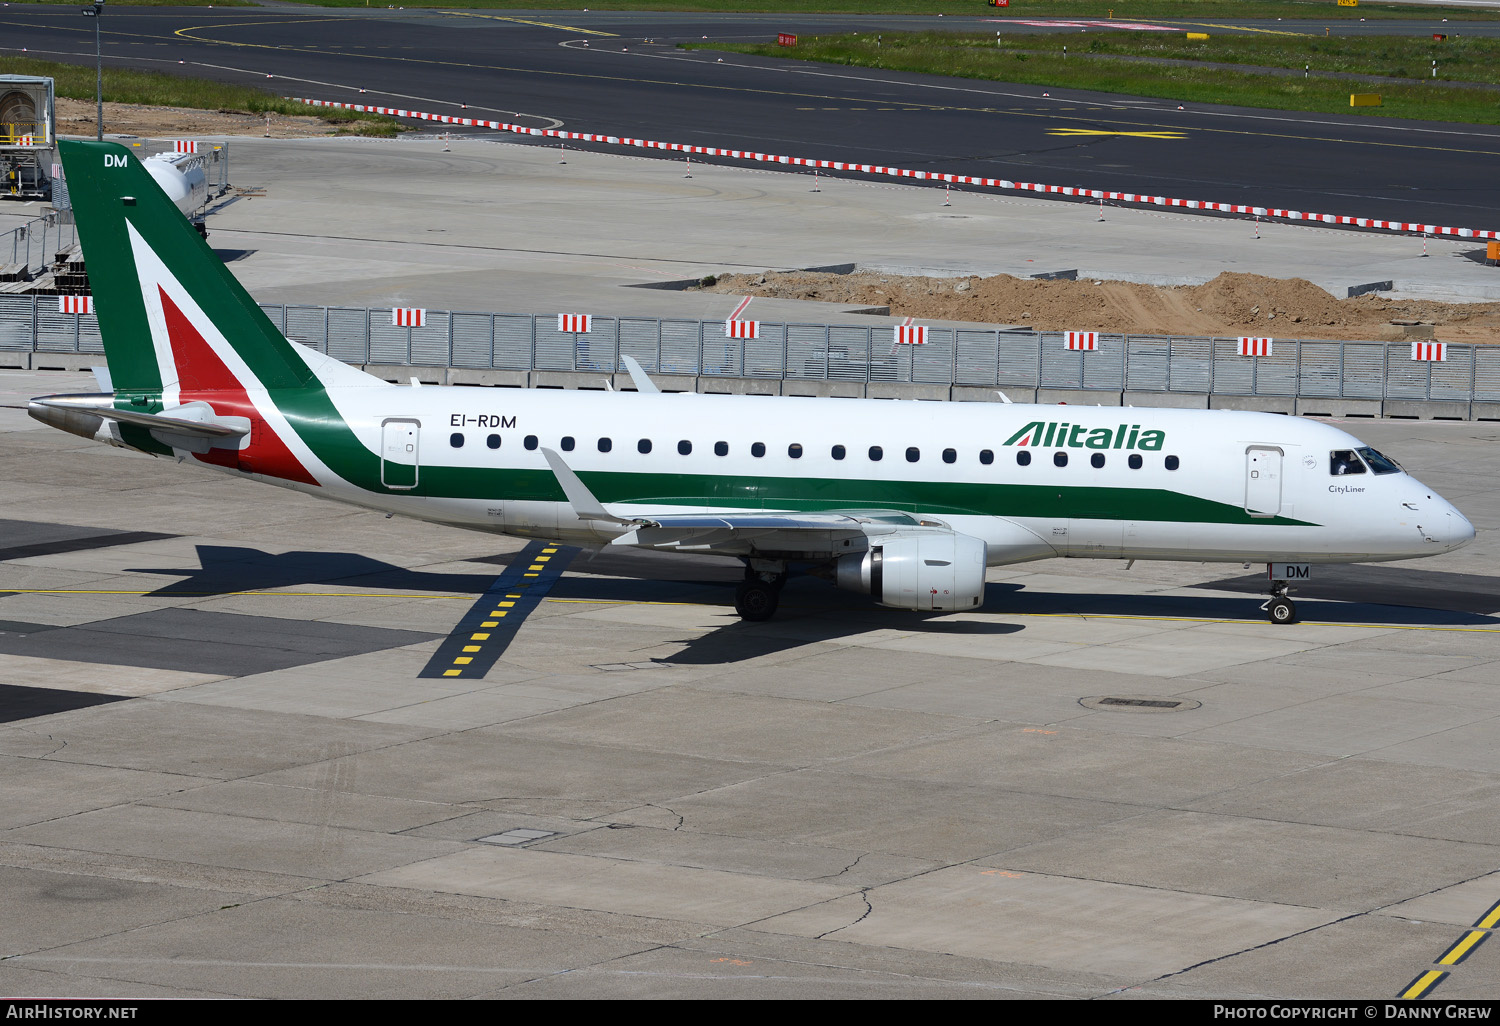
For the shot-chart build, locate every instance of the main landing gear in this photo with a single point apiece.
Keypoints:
(1280, 609)
(759, 593)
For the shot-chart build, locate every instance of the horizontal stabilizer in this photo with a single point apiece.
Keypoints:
(225, 428)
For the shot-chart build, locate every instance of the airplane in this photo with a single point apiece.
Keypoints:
(907, 502)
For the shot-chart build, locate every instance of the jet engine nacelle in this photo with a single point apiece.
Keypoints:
(931, 570)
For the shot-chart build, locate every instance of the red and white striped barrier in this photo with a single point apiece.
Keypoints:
(185, 146)
(578, 324)
(408, 317)
(1255, 346)
(75, 304)
(1435, 352)
(741, 329)
(1084, 340)
(911, 334)
(26, 140)
(937, 176)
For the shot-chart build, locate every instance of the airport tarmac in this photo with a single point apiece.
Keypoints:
(222, 775)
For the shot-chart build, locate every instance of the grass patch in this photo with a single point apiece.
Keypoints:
(155, 89)
(1459, 59)
(1038, 60)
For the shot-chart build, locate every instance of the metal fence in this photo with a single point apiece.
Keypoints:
(38, 242)
(846, 353)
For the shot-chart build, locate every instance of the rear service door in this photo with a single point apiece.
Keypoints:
(398, 454)
(1263, 480)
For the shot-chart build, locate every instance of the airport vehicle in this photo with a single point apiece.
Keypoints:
(184, 180)
(905, 501)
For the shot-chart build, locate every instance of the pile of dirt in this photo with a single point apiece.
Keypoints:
(1229, 305)
(77, 118)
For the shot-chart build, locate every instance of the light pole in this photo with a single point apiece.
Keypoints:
(94, 12)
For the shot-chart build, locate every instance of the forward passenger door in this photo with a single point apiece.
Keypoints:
(1263, 480)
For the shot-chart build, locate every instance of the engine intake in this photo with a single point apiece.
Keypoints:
(937, 571)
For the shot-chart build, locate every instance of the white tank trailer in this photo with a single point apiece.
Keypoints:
(184, 178)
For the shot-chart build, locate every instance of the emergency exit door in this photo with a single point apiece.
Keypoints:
(398, 454)
(1262, 480)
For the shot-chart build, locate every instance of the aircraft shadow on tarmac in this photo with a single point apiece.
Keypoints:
(1338, 594)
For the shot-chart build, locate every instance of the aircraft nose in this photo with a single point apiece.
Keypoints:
(1460, 531)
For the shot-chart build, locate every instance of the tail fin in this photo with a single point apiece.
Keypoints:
(173, 318)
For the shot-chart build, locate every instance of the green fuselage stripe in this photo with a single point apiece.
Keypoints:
(314, 418)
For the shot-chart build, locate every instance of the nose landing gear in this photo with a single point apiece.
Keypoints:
(1280, 609)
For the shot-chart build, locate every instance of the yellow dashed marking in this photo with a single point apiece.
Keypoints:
(490, 623)
(504, 605)
(1460, 951)
(479, 637)
(471, 648)
(1490, 918)
(1422, 984)
(452, 673)
(465, 660)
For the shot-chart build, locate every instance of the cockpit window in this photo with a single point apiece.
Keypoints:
(1343, 461)
(1379, 461)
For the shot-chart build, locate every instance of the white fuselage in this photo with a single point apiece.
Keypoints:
(1246, 486)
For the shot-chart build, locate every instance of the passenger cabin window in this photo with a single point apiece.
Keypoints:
(567, 443)
(794, 450)
(493, 441)
(950, 455)
(1135, 461)
(987, 457)
(1097, 460)
(838, 452)
(643, 446)
(605, 445)
(913, 454)
(1023, 458)
(1343, 461)
(721, 448)
(1379, 462)
(1172, 463)
(530, 441)
(1059, 459)
(758, 449)
(685, 447)
(876, 453)
(456, 440)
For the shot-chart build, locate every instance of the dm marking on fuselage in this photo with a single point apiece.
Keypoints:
(480, 420)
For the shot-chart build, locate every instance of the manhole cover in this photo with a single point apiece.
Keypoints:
(1138, 703)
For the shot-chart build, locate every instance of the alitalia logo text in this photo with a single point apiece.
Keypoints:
(1078, 436)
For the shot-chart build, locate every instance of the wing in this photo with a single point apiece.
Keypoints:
(770, 535)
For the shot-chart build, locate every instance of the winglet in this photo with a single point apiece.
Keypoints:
(581, 499)
(643, 384)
